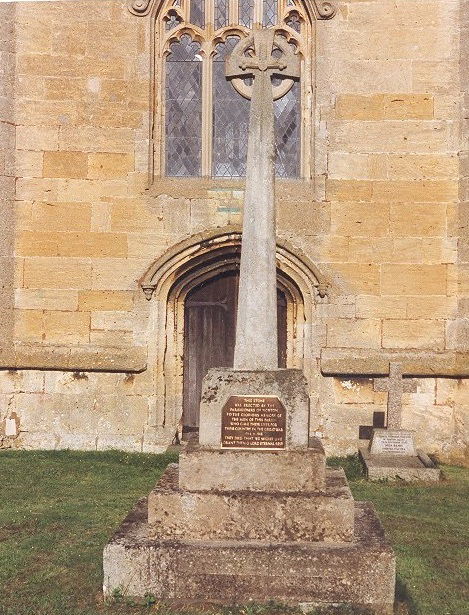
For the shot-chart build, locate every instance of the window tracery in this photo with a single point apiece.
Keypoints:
(200, 122)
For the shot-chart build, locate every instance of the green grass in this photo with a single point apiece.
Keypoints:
(58, 509)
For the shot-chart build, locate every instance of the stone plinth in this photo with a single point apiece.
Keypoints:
(231, 470)
(360, 572)
(289, 385)
(409, 468)
(392, 456)
(232, 525)
(273, 516)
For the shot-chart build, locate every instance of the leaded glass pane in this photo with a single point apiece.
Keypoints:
(183, 110)
(294, 22)
(230, 119)
(287, 133)
(221, 13)
(245, 10)
(269, 13)
(172, 21)
(198, 13)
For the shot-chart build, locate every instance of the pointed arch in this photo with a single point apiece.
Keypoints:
(201, 257)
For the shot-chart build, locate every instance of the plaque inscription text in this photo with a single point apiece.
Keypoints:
(252, 421)
(392, 442)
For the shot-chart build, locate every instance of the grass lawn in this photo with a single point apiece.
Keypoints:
(59, 508)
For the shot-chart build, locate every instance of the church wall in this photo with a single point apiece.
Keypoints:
(7, 173)
(381, 219)
(437, 411)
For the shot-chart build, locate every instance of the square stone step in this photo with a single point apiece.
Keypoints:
(305, 516)
(360, 572)
(231, 470)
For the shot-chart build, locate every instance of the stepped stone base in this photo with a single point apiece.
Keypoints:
(320, 515)
(408, 468)
(234, 572)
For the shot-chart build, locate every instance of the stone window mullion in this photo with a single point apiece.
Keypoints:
(207, 106)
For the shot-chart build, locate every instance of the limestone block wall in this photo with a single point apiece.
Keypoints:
(383, 218)
(437, 411)
(7, 172)
(389, 106)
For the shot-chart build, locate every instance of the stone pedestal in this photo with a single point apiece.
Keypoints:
(232, 525)
(392, 455)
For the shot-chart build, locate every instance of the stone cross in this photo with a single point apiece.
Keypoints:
(256, 327)
(395, 385)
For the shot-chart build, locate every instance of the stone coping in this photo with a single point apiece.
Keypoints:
(74, 358)
(362, 362)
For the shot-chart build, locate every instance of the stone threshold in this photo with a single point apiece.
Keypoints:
(414, 363)
(73, 358)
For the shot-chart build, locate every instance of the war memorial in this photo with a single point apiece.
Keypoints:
(242, 227)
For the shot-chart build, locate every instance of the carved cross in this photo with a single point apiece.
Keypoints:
(395, 385)
(256, 326)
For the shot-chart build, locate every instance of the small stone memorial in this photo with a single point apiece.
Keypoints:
(391, 454)
(251, 513)
(392, 442)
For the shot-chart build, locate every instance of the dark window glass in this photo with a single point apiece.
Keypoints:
(172, 21)
(287, 133)
(269, 12)
(183, 117)
(198, 13)
(245, 10)
(221, 13)
(294, 22)
(230, 119)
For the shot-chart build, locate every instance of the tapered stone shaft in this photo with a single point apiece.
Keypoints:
(256, 326)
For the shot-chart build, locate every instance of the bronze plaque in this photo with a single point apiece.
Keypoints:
(253, 421)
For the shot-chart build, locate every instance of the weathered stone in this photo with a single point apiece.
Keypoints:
(385, 126)
(256, 330)
(79, 358)
(372, 362)
(392, 441)
(288, 385)
(231, 470)
(395, 385)
(404, 468)
(325, 515)
(230, 572)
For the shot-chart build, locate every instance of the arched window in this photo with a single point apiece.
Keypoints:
(200, 126)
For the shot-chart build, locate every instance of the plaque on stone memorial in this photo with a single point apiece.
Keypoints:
(392, 442)
(253, 421)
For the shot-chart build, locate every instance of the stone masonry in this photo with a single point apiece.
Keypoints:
(383, 219)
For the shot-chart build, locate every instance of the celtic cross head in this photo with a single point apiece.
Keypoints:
(253, 55)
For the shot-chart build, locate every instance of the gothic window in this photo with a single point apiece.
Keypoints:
(201, 122)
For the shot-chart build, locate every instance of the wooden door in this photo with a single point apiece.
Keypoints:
(209, 338)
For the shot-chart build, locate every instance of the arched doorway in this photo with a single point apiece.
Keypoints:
(186, 266)
(209, 338)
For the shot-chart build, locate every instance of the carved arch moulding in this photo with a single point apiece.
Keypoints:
(317, 9)
(197, 259)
